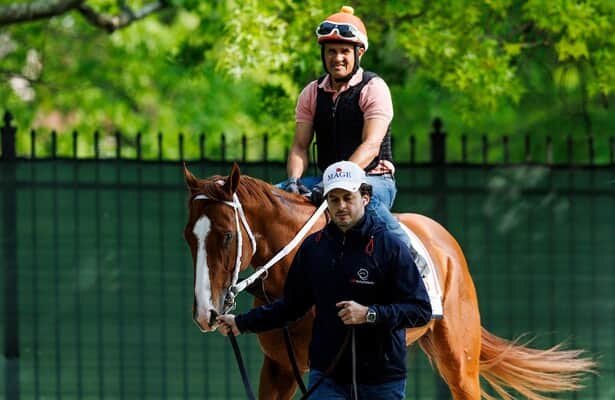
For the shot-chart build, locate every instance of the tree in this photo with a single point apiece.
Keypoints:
(34, 10)
(501, 66)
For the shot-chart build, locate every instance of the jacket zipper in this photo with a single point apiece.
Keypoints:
(337, 260)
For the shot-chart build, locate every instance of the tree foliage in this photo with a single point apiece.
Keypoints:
(540, 67)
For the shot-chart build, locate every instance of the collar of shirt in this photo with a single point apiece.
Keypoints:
(355, 80)
(364, 228)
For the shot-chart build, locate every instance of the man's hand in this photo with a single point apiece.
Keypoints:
(352, 313)
(294, 185)
(317, 196)
(226, 324)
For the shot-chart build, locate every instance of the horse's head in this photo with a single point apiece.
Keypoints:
(220, 240)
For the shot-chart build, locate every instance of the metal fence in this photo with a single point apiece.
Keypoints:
(97, 281)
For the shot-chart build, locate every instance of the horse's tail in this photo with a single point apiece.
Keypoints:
(531, 372)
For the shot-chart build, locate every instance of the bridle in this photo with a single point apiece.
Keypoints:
(240, 215)
(237, 287)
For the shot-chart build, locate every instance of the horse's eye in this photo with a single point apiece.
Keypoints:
(228, 236)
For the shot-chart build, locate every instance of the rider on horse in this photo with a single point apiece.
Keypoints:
(350, 110)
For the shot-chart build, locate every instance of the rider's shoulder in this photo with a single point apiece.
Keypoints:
(312, 85)
(309, 90)
(376, 83)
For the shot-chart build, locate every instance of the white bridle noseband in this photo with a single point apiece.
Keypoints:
(236, 288)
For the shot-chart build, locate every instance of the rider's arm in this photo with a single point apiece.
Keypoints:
(374, 131)
(377, 106)
(298, 157)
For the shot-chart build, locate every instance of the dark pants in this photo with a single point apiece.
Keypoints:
(330, 390)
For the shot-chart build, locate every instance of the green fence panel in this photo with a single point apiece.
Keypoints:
(104, 283)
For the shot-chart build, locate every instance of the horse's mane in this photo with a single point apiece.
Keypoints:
(261, 192)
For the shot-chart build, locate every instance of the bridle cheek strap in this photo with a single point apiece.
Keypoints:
(239, 215)
(244, 221)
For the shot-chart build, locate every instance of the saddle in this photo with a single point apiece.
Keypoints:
(428, 271)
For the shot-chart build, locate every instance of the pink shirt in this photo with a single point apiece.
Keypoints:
(374, 99)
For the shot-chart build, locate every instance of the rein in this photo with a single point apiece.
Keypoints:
(236, 288)
(290, 348)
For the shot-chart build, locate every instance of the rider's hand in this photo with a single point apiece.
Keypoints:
(226, 324)
(294, 185)
(317, 196)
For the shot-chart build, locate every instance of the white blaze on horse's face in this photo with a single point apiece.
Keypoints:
(202, 284)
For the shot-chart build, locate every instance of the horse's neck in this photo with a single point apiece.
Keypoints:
(274, 229)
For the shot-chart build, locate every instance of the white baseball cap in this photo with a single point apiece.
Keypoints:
(343, 175)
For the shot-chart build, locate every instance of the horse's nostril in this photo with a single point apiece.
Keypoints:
(212, 317)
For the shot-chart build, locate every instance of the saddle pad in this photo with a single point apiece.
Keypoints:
(428, 271)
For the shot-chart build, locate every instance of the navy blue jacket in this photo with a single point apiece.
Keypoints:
(333, 266)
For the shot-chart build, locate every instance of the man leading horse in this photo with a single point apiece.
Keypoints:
(236, 221)
(365, 289)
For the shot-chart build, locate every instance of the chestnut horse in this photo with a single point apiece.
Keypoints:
(460, 348)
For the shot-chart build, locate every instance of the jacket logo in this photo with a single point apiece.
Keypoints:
(363, 275)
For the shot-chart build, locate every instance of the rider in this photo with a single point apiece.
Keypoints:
(365, 290)
(350, 110)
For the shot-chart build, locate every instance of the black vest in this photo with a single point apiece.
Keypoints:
(339, 126)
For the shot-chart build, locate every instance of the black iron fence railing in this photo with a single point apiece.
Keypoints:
(97, 280)
(475, 149)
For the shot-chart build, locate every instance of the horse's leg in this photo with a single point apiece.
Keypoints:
(457, 361)
(277, 380)
(276, 383)
(454, 343)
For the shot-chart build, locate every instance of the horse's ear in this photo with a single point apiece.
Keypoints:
(230, 186)
(192, 182)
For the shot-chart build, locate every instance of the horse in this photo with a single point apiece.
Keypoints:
(459, 347)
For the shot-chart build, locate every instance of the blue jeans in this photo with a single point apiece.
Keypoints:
(331, 390)
(383, 196)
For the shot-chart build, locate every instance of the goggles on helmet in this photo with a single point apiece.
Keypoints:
(342, 30)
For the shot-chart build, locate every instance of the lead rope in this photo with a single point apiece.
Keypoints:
(290, 348)
(242, 367)
(354, 366)
(329, 369)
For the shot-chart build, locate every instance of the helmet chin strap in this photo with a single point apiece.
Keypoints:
(355, 68)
